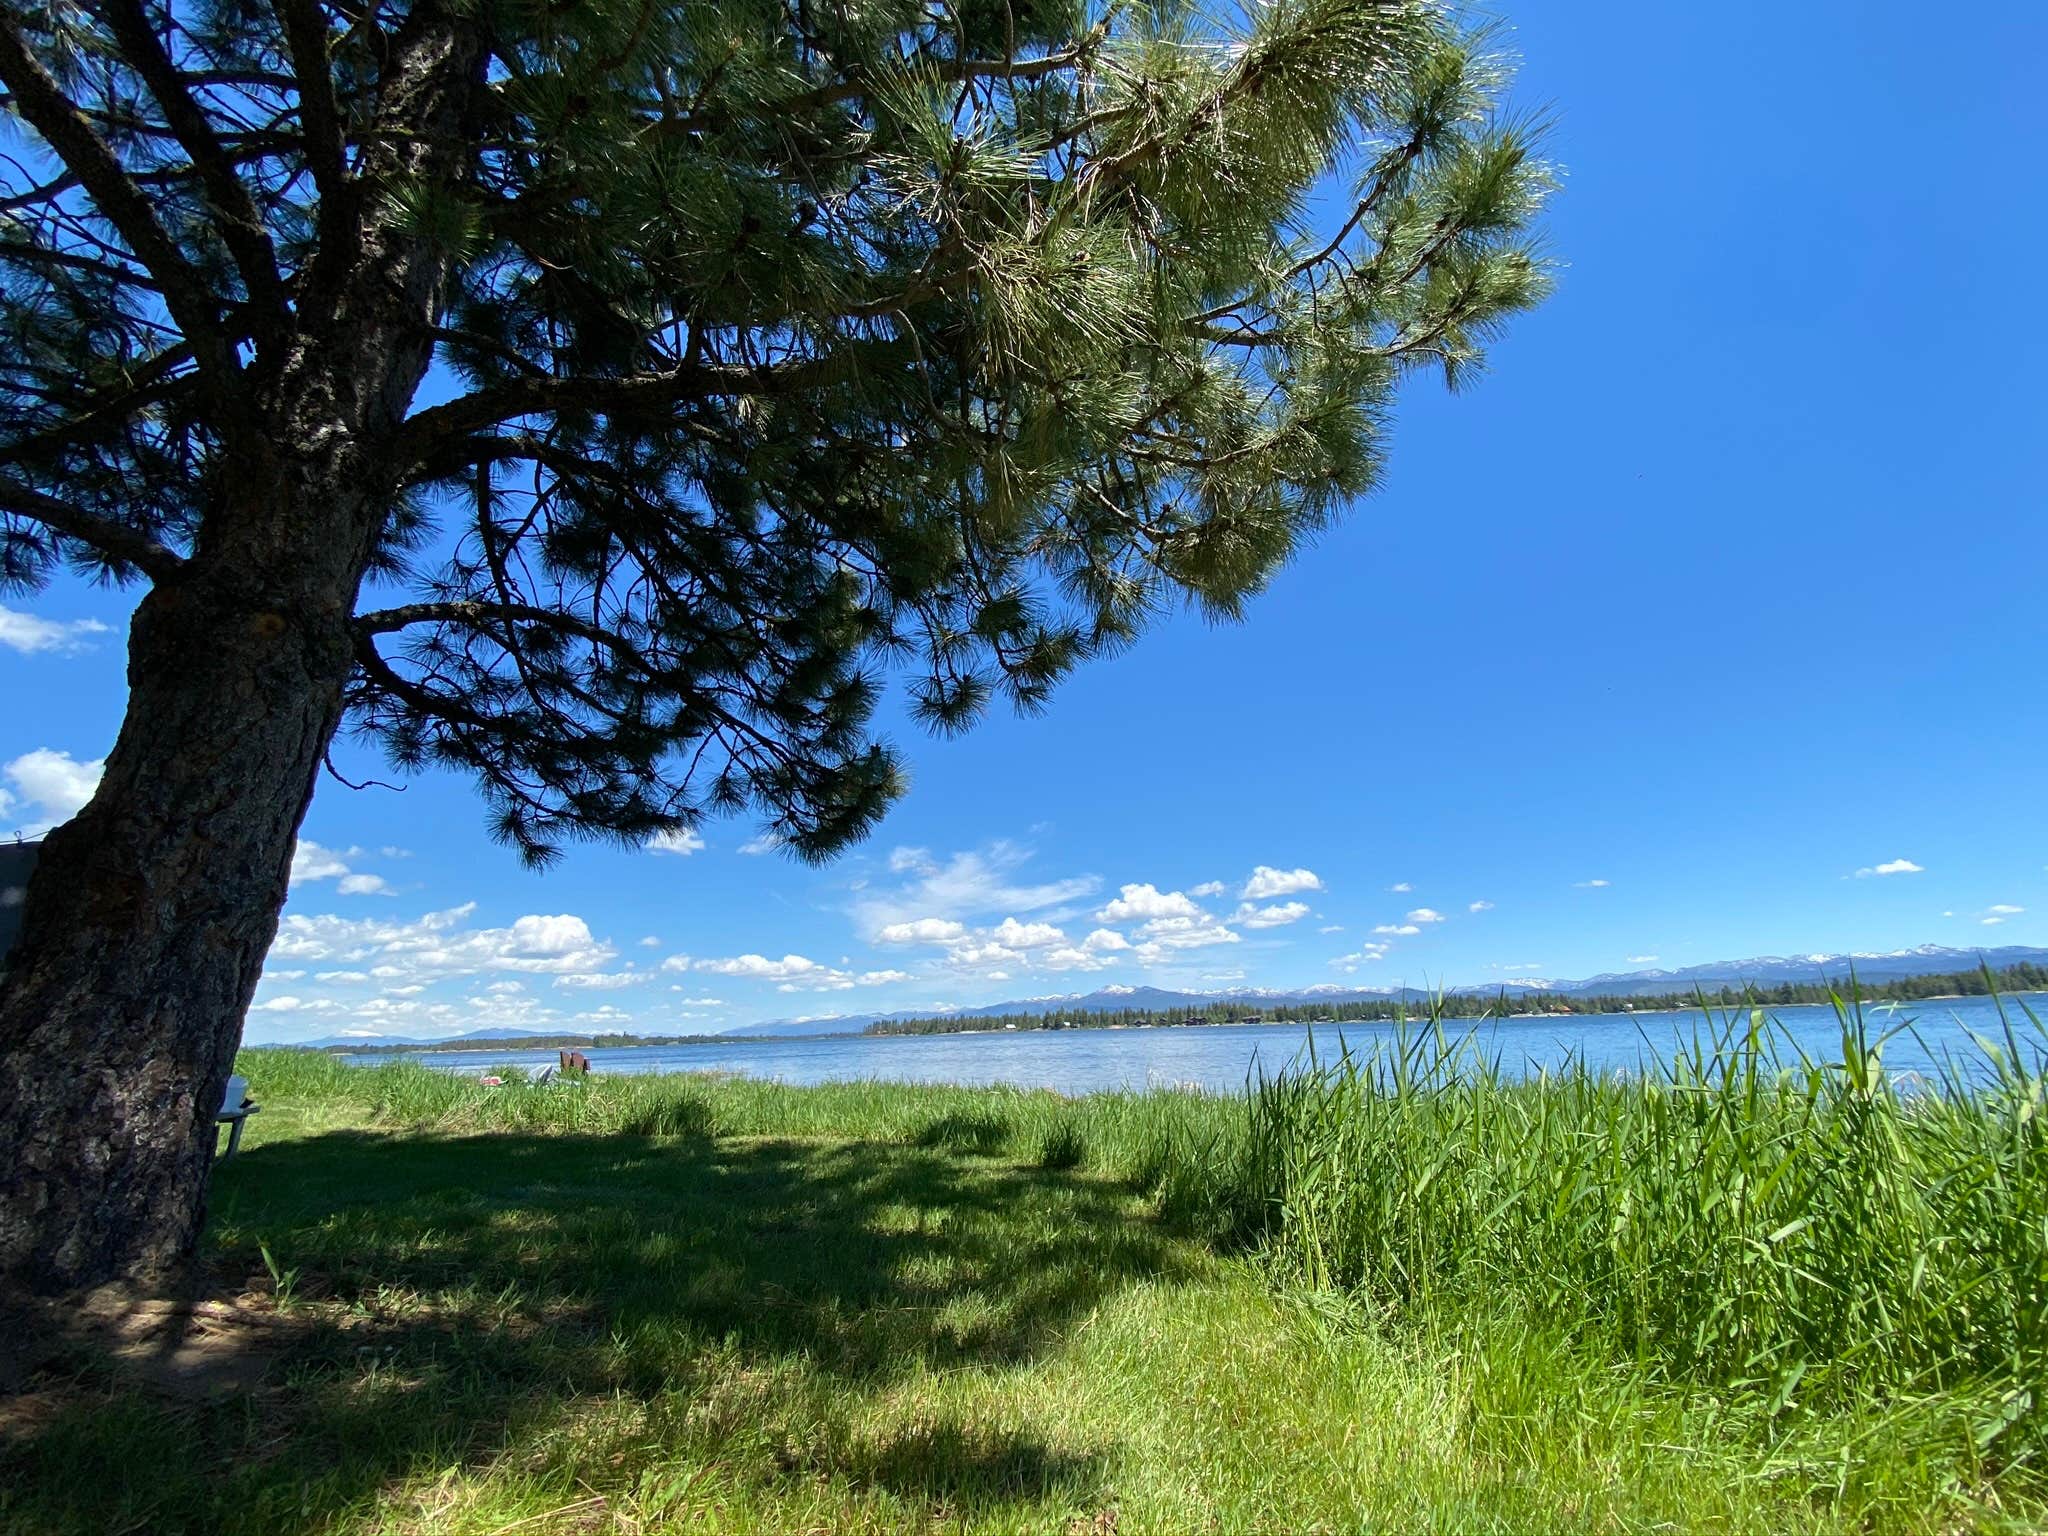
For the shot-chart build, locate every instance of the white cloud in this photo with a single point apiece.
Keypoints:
(1480, 906)
(1275, 916)
(767, 842)
(650, 942)
(562, 934)
(439, 945)
(1990, 922)
(1400, 887)
(2001, 909)
(1365, 954)
(1405, 929)
(1892, 867)
(1147, 901)
(1640, 959)
(1207, 888)
(312, 862)
(51, 787)
(1162, 934)
(29, 633)
(828, 980)
(1591, 885)
(923, 930)
(599, 980)
(1015, 935)
(1267, 882)
(1331, 928)
(964, 886)
(679, 840)
(761, 968)
(1425, 915)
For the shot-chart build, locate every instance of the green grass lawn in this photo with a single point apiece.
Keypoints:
(955, 1311)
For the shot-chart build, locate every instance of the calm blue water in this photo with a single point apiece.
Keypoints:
(1219, 1059)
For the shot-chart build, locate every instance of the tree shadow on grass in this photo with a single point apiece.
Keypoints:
(592, 1310)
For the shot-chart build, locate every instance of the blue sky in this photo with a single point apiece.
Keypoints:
(1724, 585)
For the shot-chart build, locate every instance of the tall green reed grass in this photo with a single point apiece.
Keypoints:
(1798, 1237)
(1790, 1233)
(1149, 1139)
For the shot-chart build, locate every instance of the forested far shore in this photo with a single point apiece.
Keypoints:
(2025, 977)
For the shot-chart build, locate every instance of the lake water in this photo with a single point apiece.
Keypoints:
(1221, 1058)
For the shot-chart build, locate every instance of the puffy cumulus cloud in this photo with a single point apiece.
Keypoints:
(1168, 933)
(984, 884)
(1147, 902)
(31, 633)
(1016, 935)
(600, 980)
(1425, 915)
(1479, 906)
(287, 1003)
(1406, 930)
(1100, 950)
(1365, 954)
(923, 930)
(1267, 882)
(680, 841)
(1890, 867)
(829, 980)
(1207, 888)
(797, 973)
(760, 967)
(312, 863)
(562, 934)
(44, 788)
(440, 944)
(1278, 915)
(650, 942)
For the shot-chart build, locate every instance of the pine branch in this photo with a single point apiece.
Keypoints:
(39, 100)
(514, 399)
(241, 226)
(125, 545)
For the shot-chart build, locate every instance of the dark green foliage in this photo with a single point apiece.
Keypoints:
(793, 345)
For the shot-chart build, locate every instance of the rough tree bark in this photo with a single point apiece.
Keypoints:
(149, 914)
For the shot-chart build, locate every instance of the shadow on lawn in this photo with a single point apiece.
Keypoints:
(528, 1300)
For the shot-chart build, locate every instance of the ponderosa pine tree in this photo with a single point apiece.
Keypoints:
(778, 347)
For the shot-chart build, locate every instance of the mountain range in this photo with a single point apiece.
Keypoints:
(1758, 970)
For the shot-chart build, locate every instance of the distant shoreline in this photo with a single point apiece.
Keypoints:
(998, 1025)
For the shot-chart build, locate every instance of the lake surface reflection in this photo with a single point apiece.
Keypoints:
(1222, 1058)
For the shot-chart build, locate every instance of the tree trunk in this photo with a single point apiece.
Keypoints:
(149, 915)
(145, 930)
